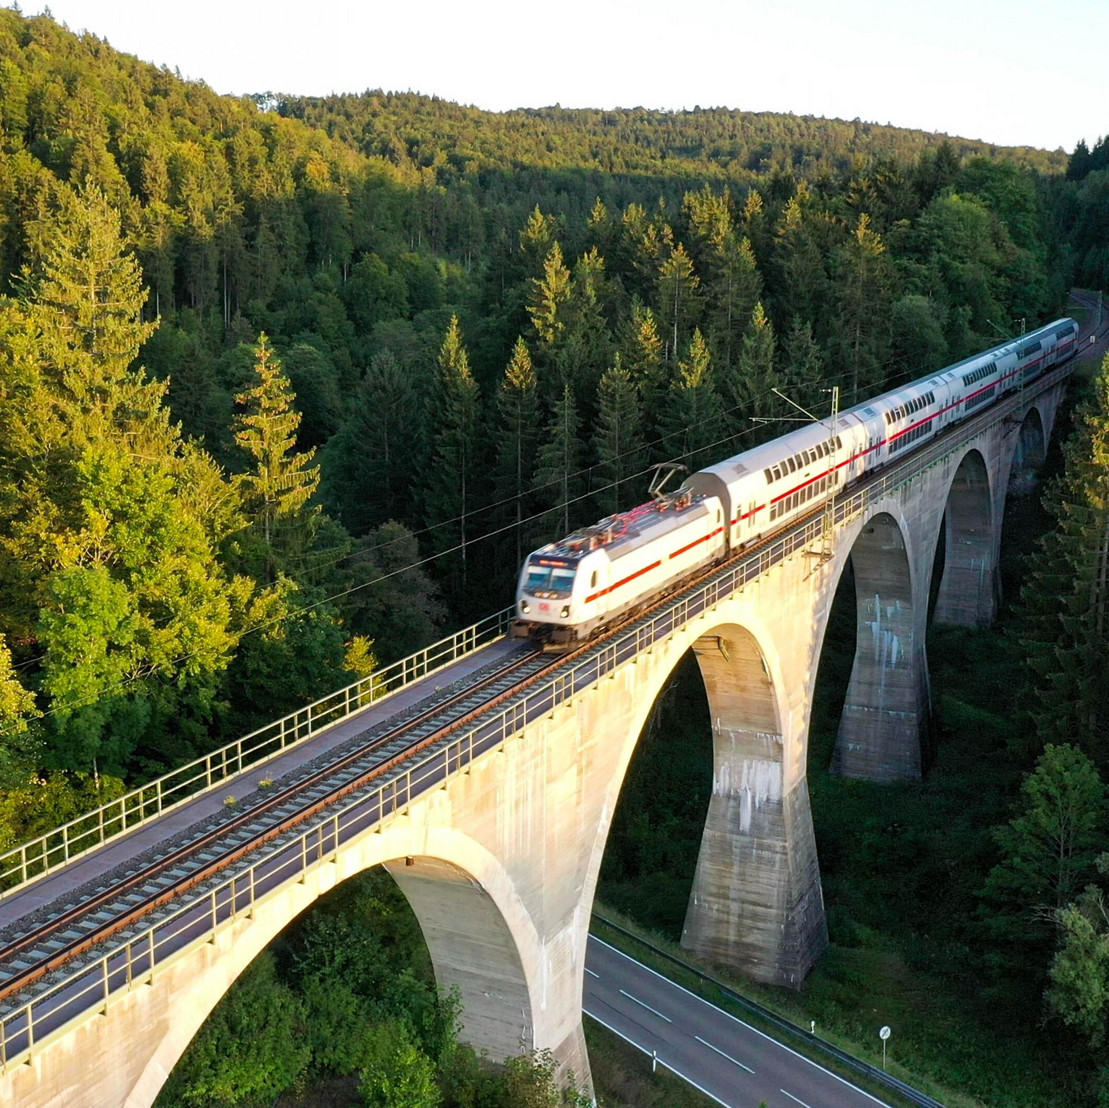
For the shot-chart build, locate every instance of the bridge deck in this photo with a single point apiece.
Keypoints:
(59, 887)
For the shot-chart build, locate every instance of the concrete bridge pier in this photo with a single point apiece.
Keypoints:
(756, 902)
(887, 708)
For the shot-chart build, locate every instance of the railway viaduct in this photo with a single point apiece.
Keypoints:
(499, 853)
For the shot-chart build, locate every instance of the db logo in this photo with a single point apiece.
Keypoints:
(544, 607)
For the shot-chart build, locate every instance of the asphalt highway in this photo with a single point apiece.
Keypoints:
(722, 1056)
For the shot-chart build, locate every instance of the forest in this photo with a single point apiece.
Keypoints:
(288, 386)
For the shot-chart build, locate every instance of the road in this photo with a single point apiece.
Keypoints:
(722, 1056)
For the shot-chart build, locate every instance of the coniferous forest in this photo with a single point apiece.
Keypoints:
(288, 387)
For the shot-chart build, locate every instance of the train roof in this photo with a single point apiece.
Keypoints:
(615, 533)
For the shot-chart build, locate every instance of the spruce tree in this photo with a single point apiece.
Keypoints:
(865, 295)
(281, 481)
(802, 370)
(517, 433)
(747, 387)
(691, 420)
(367, 465)
(559, 480)
(618, 438)
(548, 304)
(642, 354)
(1065, 600)
(450, 490)
(679, 303)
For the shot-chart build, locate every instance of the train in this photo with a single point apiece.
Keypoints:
(597, 576)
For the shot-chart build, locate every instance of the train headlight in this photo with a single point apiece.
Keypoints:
(525, 607)
(565, 611)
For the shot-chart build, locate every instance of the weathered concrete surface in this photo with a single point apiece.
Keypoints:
(505, 857)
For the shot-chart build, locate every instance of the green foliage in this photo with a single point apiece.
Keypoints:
(692, 418)
(396, 1073)
(618, 438)
(394, 599)
(450, 489)
(1065, 602)
(251, 1048)
(558, 468)
(1079, 990)
(1050, 846)
(280, 482)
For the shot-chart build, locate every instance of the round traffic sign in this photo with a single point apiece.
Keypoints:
(884, 1033)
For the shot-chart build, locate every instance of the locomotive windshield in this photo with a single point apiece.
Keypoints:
(548, 580)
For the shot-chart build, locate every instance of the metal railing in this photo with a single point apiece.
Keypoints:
(92, 985)
(61, 845)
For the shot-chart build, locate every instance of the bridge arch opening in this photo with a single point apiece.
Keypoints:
(886, 706)
(968, 588)
(1029, 453)
(473, 941)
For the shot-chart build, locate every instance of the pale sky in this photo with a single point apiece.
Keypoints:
(1011, 72)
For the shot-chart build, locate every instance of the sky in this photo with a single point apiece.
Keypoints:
(1010, 72)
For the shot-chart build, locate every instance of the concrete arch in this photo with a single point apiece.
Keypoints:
(969, 589)
(478, 932)
(886, 710)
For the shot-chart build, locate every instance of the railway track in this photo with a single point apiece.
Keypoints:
(78, 926)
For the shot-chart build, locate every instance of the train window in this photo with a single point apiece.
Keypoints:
(767, 474)
(593, 579)
(790, 465)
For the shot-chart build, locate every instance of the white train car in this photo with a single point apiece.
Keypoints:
(762, 486)
(573, 587)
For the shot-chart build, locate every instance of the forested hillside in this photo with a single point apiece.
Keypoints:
(287, 385)
(479, 329)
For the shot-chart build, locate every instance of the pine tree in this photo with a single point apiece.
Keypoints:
(281, 481)
(559, 481)
(451, 488)
(618, 438)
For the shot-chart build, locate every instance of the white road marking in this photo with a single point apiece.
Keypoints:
(793, 1098)
(676, 1073)
(591, 973)
(736, 1019)
(642, 1004)
(723, 1055)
